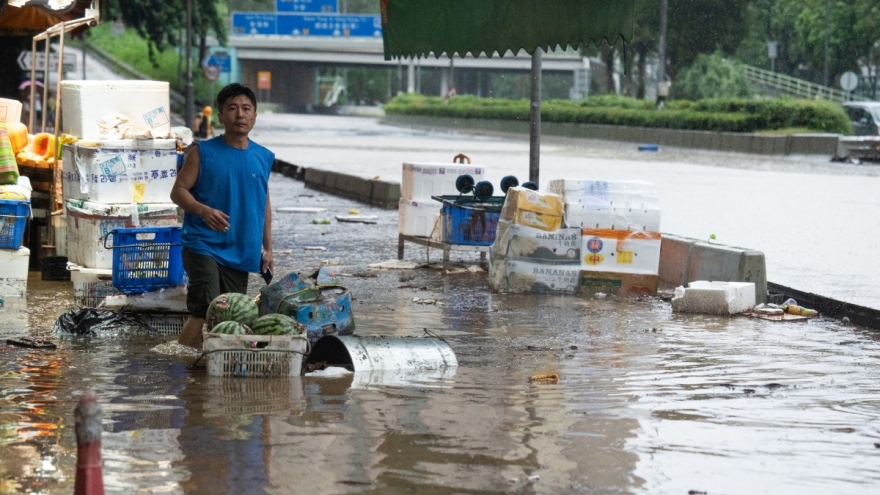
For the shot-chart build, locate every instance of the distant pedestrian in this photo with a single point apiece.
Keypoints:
(203, 128)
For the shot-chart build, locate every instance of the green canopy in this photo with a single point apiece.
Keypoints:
(415, 28)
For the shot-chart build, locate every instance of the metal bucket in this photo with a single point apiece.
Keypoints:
(358, 353)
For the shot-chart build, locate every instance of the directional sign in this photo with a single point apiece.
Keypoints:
(249, 23)
(334, 25)
(68, 64)
(316, 6)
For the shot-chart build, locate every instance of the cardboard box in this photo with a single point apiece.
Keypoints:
(525, 277)
(536, 209)
(123, 171)
(10, 111)
(618, 284)
(620, 251)
(85, 104)
(422, 180)
(519, 242)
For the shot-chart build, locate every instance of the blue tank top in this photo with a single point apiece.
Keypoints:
(235, 182)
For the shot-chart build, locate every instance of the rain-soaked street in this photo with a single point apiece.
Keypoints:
(647, 401)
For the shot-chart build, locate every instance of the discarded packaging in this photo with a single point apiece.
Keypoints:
(715, 298)
(369, 219)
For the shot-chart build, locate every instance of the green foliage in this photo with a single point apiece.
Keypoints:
(711, 76)
(729, 115)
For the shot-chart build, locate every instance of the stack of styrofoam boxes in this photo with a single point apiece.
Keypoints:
(14, 259)
(533, 252)
(620, 233)
(110, 184)
(418, 214)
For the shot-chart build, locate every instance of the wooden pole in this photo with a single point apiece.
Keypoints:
(89, 471)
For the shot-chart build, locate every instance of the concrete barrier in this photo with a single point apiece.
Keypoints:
(684, 260)
(797, 144)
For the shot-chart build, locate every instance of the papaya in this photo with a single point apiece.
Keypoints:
(18, 136)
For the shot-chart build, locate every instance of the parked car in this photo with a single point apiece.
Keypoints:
(865, 117)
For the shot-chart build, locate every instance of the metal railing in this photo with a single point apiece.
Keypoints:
(782, 84)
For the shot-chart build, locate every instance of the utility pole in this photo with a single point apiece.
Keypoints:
(825, 74)
(661, 70)
(190, 103)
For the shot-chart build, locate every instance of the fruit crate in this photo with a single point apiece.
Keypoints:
(470, 221)
(146, 259)
(165, 323)
(13, 219)
(258, 356)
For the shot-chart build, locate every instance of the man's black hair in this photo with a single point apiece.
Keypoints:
(233, 90)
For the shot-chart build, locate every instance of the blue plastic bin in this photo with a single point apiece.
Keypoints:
(146, 259)
(13, 220)
(469, 221)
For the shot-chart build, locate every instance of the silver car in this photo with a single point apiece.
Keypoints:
(865, 117)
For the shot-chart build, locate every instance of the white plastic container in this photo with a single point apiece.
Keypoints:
(84, 104)
(233, 355)
(714, 298)
(14, 272)
(89, 223)
(422, 180)
(91, 286)
(10, 111)
(123, 171)
(418, 218)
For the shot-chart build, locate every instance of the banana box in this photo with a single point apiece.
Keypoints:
(618, 284)
(536, 209)
(520, 242)
(527, 277)
(620, 251)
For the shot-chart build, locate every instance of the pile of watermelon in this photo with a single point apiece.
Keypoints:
(237, 314)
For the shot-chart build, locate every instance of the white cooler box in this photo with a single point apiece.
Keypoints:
(13, 280)
(123, 171)
(91, 286)
(84, 104)
(89, 223)
(423, 180)
(417, 218)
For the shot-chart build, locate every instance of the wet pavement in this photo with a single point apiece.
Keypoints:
(816, 221)
(647, 401)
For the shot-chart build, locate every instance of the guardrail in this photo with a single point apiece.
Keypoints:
(798, 88)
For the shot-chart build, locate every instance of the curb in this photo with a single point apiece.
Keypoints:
(759, 144)
(379, 193)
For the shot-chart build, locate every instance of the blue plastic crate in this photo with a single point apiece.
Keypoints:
(146, 259)
(13, 219)
(468, 221)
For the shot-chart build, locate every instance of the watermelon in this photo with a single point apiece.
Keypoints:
(277, 324)
(231, 307)
(231, 328)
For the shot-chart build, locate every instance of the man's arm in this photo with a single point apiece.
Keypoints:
(182, 197)
(268, 259)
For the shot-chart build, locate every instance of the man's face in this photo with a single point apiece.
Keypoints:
(238, 115)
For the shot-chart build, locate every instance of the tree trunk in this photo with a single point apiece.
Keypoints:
(642, 53)
(608, 59)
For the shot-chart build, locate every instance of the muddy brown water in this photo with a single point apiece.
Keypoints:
(647, 401)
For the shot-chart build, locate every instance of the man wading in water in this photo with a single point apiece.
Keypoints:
(223, 188)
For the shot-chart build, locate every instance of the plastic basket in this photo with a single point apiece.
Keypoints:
(146, 259)
(13, 219)
(469, 221)
(258, 356)
(165, 324)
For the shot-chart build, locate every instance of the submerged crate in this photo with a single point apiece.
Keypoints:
(165, 323)
(91, 286)
(13, 219)
(469, 221)
(260, 356)
(147, 259)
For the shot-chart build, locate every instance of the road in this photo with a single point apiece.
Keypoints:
(816, 221)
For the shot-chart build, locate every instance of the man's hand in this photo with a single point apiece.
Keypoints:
(268, 262)
(216, 219)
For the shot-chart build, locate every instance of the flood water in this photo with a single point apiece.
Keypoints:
(647, 401)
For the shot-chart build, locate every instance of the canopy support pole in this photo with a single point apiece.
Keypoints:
(535, 116)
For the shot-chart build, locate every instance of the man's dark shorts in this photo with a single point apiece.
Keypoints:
(207, 280)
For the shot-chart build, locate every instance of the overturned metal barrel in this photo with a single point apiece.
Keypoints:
(357, 353)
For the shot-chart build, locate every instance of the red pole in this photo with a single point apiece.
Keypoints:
(89, 473)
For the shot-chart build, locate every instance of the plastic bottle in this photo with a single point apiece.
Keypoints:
(791, 307)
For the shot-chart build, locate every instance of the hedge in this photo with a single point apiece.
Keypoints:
(721, 114)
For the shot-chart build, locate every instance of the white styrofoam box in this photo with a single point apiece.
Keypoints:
(417, 218)
(89, 223)
(14, 316)
(620, 251)
(91, 285)
(423, 180)
(13, 280)
(84, 104)
(122, 171)
(715, 298)
(574, 189)
(10, 111)
(519, 242)
(622, 218)
(59, 224)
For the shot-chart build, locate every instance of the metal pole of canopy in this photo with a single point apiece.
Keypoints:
(190, 109)
(535, 123)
